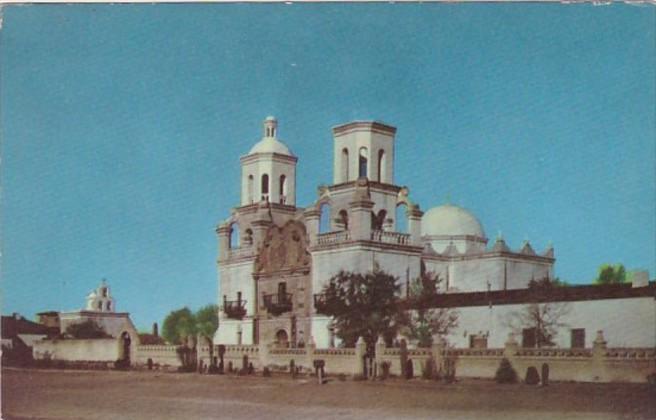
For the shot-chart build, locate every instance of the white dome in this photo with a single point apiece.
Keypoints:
(448, 220)
(270, 145)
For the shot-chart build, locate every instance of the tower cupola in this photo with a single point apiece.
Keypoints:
(269, 170)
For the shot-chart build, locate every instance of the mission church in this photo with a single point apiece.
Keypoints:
(275, 258)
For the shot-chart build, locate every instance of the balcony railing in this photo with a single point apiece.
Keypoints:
(245, 250)
(234, 309)
(390, 237)
(330, 238)
(278, 303)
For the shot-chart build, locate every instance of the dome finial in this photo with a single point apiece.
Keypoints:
(270, 127)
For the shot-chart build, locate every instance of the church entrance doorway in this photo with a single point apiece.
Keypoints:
(282, 339)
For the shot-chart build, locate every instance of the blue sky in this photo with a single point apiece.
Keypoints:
(122, 128)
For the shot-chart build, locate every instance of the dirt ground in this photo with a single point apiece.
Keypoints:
(58, 394)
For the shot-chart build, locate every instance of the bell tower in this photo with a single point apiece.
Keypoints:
(364, 149)
(268, 171)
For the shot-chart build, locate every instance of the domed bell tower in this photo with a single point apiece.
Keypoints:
(268, 171)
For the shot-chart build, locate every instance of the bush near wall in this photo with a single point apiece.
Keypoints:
(505, 373)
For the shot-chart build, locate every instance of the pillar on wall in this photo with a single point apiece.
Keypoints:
(223, 232)
(599, 348)
(437, 350)
(310, 347)
(380, 353)
(260, 228)
(360, 210)
(312, 217)
(360, 352)
(511, 347)
(414, 224)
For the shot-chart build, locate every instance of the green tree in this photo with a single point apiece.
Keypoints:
(364, 305)
(207, 320)
(611, 274)
(542, 319)
(424, 321)
(87, 329)
(178, 325)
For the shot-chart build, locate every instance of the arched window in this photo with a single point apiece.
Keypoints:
(381, 166)
(345, 165)
(343, 218)
(234, 236)
(324, 220)
(265, 187)
(401, 218)
(100, 306)
(109, 306)
(283, 189)
(249, 187)
(378, 221)
(362, 162)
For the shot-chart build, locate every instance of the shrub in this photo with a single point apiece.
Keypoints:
(651, 379)
(532, 376)
(359, 377)
(385, 369)
(341, 377)
(427, 369)
(505, 373)
(266, 372)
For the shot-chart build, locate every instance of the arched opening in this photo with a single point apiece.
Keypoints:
(345, 165)
(324, 219)
(363, 162)
(381, 166)
(249, 188)
(100, 306)
(125, 343)
(282, 340)
(108, 306)
(265, 187)
(234, 236)
(283, 189)
(378, 220)
(343, 219)
(401, 218)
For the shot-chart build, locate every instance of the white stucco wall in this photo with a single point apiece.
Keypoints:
(629, 322)
(473, 274)
(96, 350)
(237, 277)
(228, 331)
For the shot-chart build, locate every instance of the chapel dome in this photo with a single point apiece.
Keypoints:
(449, 220)
(270, 145)
(270, 142)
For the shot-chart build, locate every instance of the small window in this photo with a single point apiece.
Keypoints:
(528, 337)
(265, 187)
(109, 306)
(363, 161)
(578, 338)
(283, 189)
(477, 341)
(345, 165)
